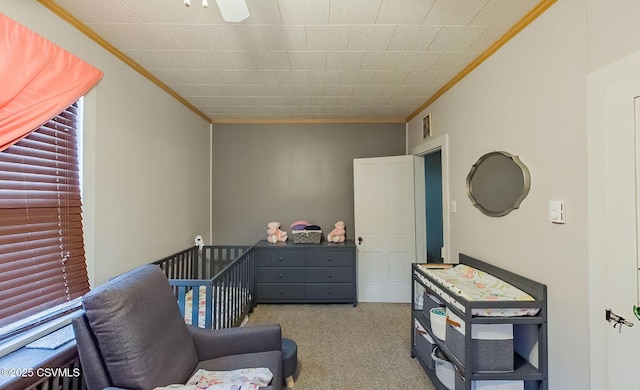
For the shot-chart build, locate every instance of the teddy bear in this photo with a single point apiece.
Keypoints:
(338, 233)
(274, 234)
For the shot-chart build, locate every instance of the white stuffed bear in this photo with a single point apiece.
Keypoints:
(199, 242)
(337, 234)
(274, 234)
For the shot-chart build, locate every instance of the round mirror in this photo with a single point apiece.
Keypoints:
(498, 183)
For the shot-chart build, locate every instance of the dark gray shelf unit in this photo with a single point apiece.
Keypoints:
(536, 327)
(306, 273)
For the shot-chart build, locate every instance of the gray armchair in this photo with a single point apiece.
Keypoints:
(132, 336)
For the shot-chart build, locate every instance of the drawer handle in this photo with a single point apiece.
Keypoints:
(280, 274)
(328, 275)
(280, 259)
(279, 291)
(453, 323)
(328, 258)
(329, 292)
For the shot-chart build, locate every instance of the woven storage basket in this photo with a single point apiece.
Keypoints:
(306, 236)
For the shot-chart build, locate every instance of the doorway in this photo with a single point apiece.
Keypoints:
(433, 205)
(432, 201)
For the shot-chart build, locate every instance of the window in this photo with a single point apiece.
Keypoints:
(42, 262)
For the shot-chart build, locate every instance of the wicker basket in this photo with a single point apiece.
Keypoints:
(306, 236)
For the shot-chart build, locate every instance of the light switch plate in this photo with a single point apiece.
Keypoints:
(557, 212)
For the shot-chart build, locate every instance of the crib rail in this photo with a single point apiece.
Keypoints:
(193, 263)
(224, 275)
(217, 258)
(181, 265)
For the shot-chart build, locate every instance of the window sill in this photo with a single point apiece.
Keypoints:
(26, 367)
(25, 337)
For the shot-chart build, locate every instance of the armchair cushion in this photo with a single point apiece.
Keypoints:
(163, 353)
(236, 341)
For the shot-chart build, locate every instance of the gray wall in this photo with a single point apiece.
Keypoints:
(287, 172)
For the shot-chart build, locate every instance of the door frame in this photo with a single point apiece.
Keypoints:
(434, 144)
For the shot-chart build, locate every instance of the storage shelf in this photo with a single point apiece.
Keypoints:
(431, 373)
(522, 368)
(534, 377)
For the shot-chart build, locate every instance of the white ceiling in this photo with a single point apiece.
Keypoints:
(299, 60)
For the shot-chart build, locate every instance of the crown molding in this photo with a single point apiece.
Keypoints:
(536, 11)
(72, 20)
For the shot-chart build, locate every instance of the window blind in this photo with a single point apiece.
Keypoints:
(38, 79)
(42, 262)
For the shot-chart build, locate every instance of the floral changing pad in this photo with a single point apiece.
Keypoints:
(475, 285)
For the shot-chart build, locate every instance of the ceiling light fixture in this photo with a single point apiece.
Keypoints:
(231, 10)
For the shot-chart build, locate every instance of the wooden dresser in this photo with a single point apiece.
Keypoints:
(306, 273)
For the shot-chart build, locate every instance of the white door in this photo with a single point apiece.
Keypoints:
(622, 287)
(384, 227)
(613, 226)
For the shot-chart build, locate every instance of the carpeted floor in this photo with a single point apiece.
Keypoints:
(346, 347)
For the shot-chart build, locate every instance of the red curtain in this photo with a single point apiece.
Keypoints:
(37, 80)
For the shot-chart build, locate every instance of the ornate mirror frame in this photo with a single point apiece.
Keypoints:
(498, 177)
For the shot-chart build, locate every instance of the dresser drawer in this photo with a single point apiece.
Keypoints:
(279, 259)
(276, 291)
(279, 275)
(329, 259)
(328, 275)
(311, 273)
(328, 291)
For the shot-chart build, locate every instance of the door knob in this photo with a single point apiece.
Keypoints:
(359, 240)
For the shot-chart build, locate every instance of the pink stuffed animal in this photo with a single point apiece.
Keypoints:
(274, 234)
(337, 234)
